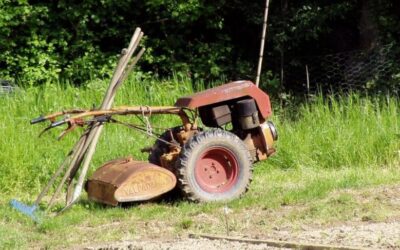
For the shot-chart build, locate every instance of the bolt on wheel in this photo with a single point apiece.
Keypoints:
(216, 170)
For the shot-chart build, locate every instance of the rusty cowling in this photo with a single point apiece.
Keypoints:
(127, 180)
(226, 92)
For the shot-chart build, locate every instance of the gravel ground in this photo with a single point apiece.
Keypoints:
(356, 233)
(364, 235)
(180, 244)
(368, 235)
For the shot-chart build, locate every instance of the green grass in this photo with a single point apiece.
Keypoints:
(325, 145)
(347, 131)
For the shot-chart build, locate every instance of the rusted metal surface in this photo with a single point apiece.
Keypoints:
(183, 136)
(122, 110)
(260, 141)
(127, 180)
(268, 137)
(177, 140)
(75, 118)
(128, 110)
(226, 92)
(255, 143)
(168, 159)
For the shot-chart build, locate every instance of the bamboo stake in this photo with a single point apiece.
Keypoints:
(264, 32)
(75, 162)
(83, 143)
(133, 63)
(86, 144)
(76, 165)
(107, 103)
(308, 80)
(58, 172)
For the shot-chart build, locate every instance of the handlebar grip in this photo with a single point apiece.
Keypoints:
(39, 119)
(58, 123)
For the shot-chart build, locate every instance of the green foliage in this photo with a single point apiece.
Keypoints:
(25, 51)
(74, 41)
(36, 48)
(306, 21)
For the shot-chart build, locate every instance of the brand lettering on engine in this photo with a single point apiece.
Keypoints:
(143, 184)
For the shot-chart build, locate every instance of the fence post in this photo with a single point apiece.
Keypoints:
(308, 80)
(264, 32)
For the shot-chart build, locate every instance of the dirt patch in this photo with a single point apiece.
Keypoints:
(366, 218)
(371, 235)
(179, 244)
(385, 235)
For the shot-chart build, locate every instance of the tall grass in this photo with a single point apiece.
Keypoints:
(345, 131)
(348, 131)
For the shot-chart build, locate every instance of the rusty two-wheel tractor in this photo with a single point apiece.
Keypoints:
(208, 158)
(207, 161)
(213, 164)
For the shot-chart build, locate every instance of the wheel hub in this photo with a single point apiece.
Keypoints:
(216, 170)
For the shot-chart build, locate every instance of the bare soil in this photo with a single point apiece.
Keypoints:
(372, 223)
(180, 244)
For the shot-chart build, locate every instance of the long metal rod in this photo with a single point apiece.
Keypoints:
(121, 110)
(264, 33)
(128, 111)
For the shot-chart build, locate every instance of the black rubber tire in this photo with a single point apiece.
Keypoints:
(160, 147)
(194, 148)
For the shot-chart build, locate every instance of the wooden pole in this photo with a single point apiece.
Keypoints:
(84, 148)
(116, 81)
(83, 143)
(70, 190)
(308, 80)
(264, 32)
(277, 243)
(76, 147)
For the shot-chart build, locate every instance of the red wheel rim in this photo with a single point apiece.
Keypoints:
(216, 170)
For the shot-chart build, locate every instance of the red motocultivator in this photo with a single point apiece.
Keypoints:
(201, 158)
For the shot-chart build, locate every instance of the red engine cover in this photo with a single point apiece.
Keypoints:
(226, 92)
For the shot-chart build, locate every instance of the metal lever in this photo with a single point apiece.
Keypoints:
(38, 119)
(58, 123)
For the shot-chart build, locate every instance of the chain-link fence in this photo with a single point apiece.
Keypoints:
(361, 69)
(6, 87)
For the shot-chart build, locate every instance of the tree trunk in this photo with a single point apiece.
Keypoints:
(367, 26)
